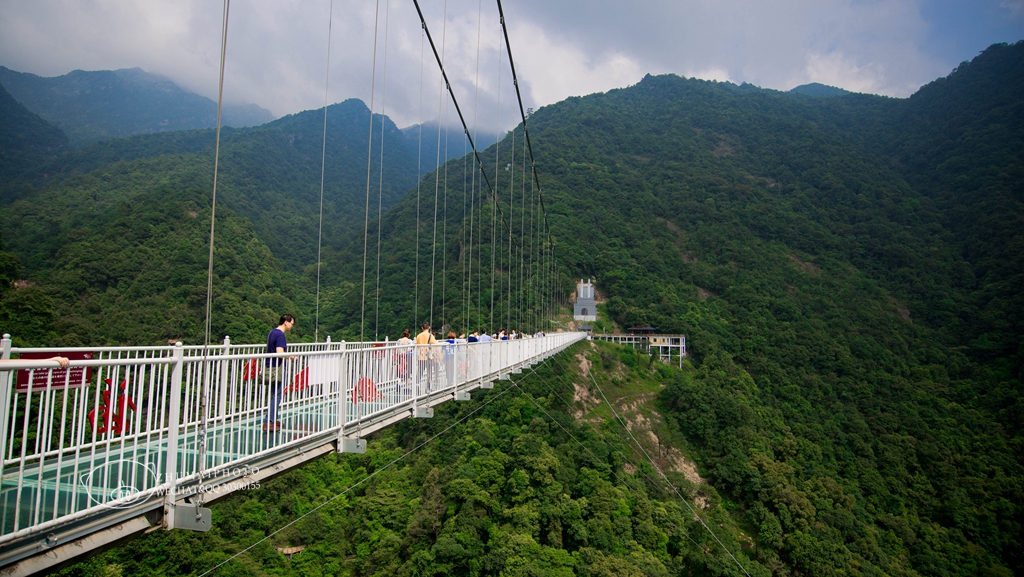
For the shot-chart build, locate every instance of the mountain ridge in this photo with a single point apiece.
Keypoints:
(98, 105)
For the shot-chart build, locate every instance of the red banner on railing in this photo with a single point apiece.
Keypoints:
(79, 376)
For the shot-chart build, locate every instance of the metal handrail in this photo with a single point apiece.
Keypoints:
(130, 426)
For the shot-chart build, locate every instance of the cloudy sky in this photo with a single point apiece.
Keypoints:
(278, 49)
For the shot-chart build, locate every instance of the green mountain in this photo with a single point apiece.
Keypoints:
(104, 104)
(848, 273)
(846, 269)
(269, 188)
(26, 141)
(424, 141)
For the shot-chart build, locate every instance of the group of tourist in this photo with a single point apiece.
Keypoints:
(427, 358)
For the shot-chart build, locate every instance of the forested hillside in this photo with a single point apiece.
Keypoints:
(509, 484)
(68, 231)
(104, 104)
(854, 328)
(847, 271)
(26, 141)
(433, 146)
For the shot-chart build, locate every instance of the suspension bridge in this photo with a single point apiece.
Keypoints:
(137, 438)
(126, 440)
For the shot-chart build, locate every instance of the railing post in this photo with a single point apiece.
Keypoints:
(346, 444)
(173, 421)
(6, 384)
(222, 397)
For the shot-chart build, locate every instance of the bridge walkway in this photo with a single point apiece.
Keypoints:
(127, 438)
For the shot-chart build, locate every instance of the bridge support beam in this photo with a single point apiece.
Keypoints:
(461, 396)
(423, 412)
(190, 517)
(351, 445)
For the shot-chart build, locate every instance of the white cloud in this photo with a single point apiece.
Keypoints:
(717, 74)
(277, 48)
(836, 69)
(554, 68)
(1016, 7)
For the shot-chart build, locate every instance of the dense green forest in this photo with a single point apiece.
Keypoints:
(91, 227)
(856, 332)
(509, 484)
(848, 271)
(26, 141)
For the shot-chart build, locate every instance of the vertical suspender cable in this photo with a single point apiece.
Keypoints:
(497, 151)
(522, 234)
(209, 271)
(323, 168)
(444, 230)
(380, 186)
(419, 171)
(462, 118)
(526, 132)
(467, 248)
(511, 214)
(437, 178)
(369, 158)
(476, 117)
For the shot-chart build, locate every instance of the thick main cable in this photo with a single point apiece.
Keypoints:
(458, 109)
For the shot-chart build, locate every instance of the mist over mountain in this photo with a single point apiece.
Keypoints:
(422, 141)
(26, 141)
(97, 230)
(847, 270)
(104, 104)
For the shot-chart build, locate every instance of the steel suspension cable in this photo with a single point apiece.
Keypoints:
(444, 231)
(512, 214)
(380, 185)
(522, 231)
(369, 159)
(497, 152)
(526, 132)
(437, 176)
(476, 118)
(323, 169)
(204, 396)
(462, 118)
(419, 171)
(467, 249)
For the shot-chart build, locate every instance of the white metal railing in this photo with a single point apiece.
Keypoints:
(126, 423)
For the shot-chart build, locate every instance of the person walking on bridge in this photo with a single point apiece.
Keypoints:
(425, 342)
(277, 343)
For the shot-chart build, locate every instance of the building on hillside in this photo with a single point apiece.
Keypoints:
(585, 308)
